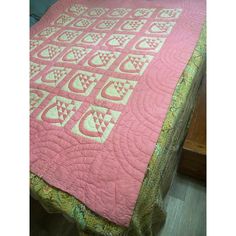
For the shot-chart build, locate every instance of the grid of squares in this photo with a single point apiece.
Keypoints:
(94, 52)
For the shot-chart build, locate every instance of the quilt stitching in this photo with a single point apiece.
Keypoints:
(109, 57)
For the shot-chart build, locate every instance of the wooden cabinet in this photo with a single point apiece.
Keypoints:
(193, 156)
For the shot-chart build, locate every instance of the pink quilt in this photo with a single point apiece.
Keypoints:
(102, 77)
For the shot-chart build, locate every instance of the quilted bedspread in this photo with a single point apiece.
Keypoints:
(102, 78)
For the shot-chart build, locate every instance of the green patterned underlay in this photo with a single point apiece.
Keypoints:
(149, 214)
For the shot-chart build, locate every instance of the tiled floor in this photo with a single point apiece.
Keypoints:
(186, 213)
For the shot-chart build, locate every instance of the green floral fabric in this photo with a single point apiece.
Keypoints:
(149, 214)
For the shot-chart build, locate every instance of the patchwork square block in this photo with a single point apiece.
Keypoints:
(34, 43)
(149, 44)
(63, 20)
(49, 52)
(77, 9)
(102, 59)
(134, 64)
(119, 12)
(105, 25)
(36, 98)
(160, 27)
(83, 23)
(118, 40)
(117, 90)
(46, 32)
(96, 123)
(74, 54)
(92, 38)
(53, 77)
(59, 111)
(132, 25)
(96, 12)
(35, 68)
(168, 13)
(67, 36)
(143, 12)
(82, 83)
